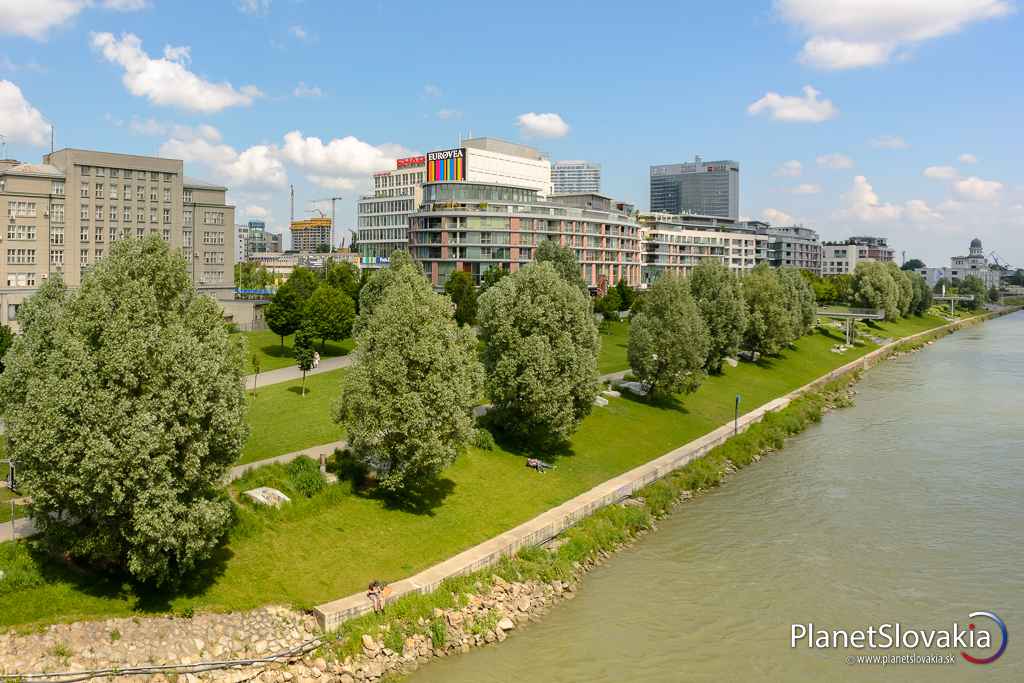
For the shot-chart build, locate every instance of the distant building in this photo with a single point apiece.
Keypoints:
(792, 246)
(576, 176)
(841, 258)
(260, 240)
(709, 188)
(975, 263)
(310, 234)
(676, 243)
(383, 217)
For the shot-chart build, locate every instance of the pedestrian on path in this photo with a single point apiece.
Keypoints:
(316, 359)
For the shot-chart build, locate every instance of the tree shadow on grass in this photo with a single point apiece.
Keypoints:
(277, 351)
(669, 403)
(422, 499)
(298, 390)
(515, 444)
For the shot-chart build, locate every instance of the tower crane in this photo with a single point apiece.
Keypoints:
(332, 200)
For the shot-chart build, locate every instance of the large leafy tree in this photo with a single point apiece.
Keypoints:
(401, 268)
(303, 282)
(563, 260)
(6, 340)
(344, 276)
(913, 264)
(972, 284)
(490, 278)
(922, 294)
(719, 298)
(124, 405)
(904, 288)
(800, 304)
(626, 295)
(459, 288)
(668, 339)
(540, 354)
(407, 401)
(284, 312)
(769, 324)
(874, 287)
(328, 314)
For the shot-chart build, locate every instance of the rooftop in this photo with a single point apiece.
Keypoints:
(197, 184)
(40, 170)
(504, 147)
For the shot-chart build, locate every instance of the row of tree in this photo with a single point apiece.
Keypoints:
(885, 286)
(316, 304)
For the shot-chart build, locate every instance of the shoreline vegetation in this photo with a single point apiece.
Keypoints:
(268, 557)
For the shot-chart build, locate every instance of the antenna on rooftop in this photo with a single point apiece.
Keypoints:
(51, 138)
(3, 146)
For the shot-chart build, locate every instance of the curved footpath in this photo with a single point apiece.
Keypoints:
(547, 525)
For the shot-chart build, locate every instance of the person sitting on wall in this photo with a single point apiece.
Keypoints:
(539, 465)
(375, 592)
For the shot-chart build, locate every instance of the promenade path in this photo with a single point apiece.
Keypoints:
(292, 372)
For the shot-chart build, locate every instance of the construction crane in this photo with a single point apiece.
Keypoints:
(332, 200)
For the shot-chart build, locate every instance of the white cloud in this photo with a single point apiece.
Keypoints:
(7, 65)
(834, 161)
(918, 211)
(889, 142)
(256, 166)
(833, 53)
(968, 159)
(431, 90)
(166, 81)
(35, 18)
(850, 34)
(257, 7)
(299, 32)
(449, 114)
(940, 172)
(790, 169)
(806, 188)
(777, 217)
(978, 190)
(341, 162)
(547, 125)
(19, 120)
(863, 204)
(153, 127)
(795, 109)
(303, 90)
(257, 212)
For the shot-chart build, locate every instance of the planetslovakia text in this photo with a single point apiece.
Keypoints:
(886, 636)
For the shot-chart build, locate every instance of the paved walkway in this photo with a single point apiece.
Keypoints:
(314, 452)
(292, 372)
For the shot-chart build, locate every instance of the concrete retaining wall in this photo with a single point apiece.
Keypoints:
(556, 520)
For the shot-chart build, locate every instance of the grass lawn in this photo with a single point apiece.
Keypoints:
(318, 549)
(282, 420)
(614, 344)
(267, 347)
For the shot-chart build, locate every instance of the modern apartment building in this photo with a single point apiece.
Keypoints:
(675, 243)
(64, 214)
(576, 176)
(383, 216)
(709, 188)
(472, 226)
(792, 246)
(311, 234)
(841, 258)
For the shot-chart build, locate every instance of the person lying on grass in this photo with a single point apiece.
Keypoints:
(539, 465)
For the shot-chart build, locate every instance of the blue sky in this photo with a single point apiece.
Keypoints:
(899, 118)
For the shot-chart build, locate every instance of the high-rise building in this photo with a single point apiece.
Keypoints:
(709, 188)
(65, 213)
(311, 234)
(841, 258)
(576, 176)
(259, 240)
(471, 227)
(383, 217)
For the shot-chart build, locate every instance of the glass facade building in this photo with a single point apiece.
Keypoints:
(709, 188)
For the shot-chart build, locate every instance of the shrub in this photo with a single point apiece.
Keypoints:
(305, 478)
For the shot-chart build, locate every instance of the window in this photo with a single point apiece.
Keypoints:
(57, 213)
(20, 280)
(167, 235)
(167, 177)
(188, 196)
(83, 257)
(140, 232)
(99, 254)
(85, 189)
(99, 234)
(213, 257)
(56, 235)
(127, 213)
(21, 232)
(167, 194)
(188, 217)
(152, 215)
(21, 210)
(127, 193)
(113, 234)
(56, 257)
(113, 214)
(113, 173)
(214, 238)
(58, 187)
(153, 175)
(167, 215)
(84, 213)
(21, 256)
(84, 170)
(83, 234)
(140, 193)
(127, 174)
(213, 217)
(99, 212)
(152, 194)
(187, 239)
(141, 215)
(113, 191)
(99, 172)
(99, 190)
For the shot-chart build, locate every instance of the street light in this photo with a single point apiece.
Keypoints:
(736, 417)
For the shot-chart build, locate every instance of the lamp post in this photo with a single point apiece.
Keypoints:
(736, 417)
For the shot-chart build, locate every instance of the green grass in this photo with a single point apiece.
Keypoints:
(614, 344)
(282, 420)
(325, 547)
(266, 346)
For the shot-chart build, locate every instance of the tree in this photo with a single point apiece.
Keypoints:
(407, 401)
(540, 354)
(323, 248)
(874, 287)
(6, 339)
(304, 353)
(609, 304)
(303, 282)
(769, 325)
(491, 276)
(844, 287)
(459, 288)
(993, 297)
(124, 406)
(344, 276)
(564, 261)
(401, 268)
(328, 314)
(941, 286)
(913, 264)
(922, 294)
(668, 340)
(904, 287)
(800, 304)
(626, 295)
(972, 285)
(283, 314)
(719, 298)
(251, 275)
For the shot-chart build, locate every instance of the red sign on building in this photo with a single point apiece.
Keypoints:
(411, 161)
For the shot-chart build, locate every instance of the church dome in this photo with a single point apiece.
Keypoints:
(976, 243)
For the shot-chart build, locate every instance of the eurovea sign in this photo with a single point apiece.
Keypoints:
(410, 161)
(447, 164)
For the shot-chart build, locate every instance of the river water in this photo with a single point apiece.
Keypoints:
(907, 507)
